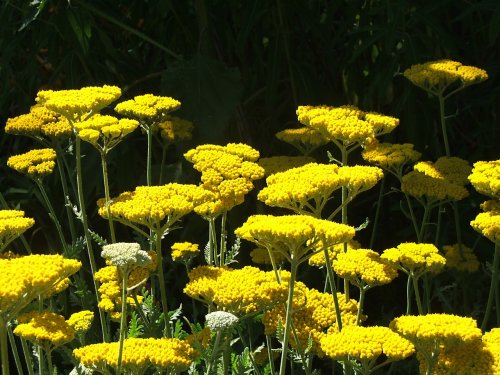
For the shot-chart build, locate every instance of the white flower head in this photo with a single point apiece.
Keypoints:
(219, 320)
(125, 254)
(81, 370)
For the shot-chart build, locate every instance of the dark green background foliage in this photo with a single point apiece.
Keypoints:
(240, 69)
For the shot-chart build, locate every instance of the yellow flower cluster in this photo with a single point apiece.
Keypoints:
(227, 171)
(12, 225)
(106, 128)
(366, 344)
(261, 255)
(243, 291)
(481, 356)
(39, 122)
(150, 205)
(141, 354)
(183, 251)
(294, 236)
(485, 178)
(275, 164)
(392, 157)
(318, 259)
(364, 266)
(488, 222)
(175, 129)
(44, 328)
(436, 76)
(25, 278)
(360, 178)
(148, 108)
(442, 180)
(426, 330)
(81, 321)
(346, 124)
(111, 281)
(313, 315)
(78, 104)
(461, 258)
(294, 188)
(304, 139)
(415, 258)
(35, 163)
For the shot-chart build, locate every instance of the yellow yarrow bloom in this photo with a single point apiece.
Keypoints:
(81, 321)
(366, 344)
(485, 178)
(318, 259)
(149, 109)
(245, 291)
(35, 163)
(304, 139)
(104, 131)
(488, 222)
(12, 225)
(275, 164)
(261, 255)
(25, 278)
(294, 236)
(313, 315)
(360, 178)
(175, 129)
(415, 258)
(155, 207)
(391, 157)
(183, 251)
(436, 76)
(461, 258)
(364, 267)
(81, 103)
(346, 124)
(304, 189)
(452, 169)
(139, 354)
(46, 329)
(420, 186)
(40, 122)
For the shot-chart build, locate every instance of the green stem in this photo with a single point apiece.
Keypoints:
(163, 158)
(408, 295)
(4, 354)
(438, 225)
(88, 239)
(333, 287)
(149, 132)
(377, 213)
(13, 348)
(226, 356)
(213, 243)
(493, 287)
(107, 195)
(223, 239)
(67, 203)
(215, 349)
(123, 319)
(344, 215)
(417, 293)
(425, 217)
(456, 215)
(49, 362)
(362, 292)
(161, 281)
(52, 215)
(288, 319)
(27, 356)
(413, 218)
(443, 124)
(270, 354)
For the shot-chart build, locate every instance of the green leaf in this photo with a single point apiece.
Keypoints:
(136, 328)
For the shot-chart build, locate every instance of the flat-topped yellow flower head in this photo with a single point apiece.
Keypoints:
(45, 328)
(81, 321)
(447, 329)
(12, 225)
(40, 122)
(36, 164)
(175, 129)
(485, 178)
(318, 259)
(391, 157)
(104, 131)
(451, 169)
(364, 267)
(346, 124)
(245, 291)
(294, 236)
(416, 258)
(303, 189)
(25, 278)
(275, 164)
(149, 109)
(304, 139)
(359, 178)
(461, 258)
(366, 344)
(313, 315)
(139, 354)
(155, 206)
(436, 76)
(81, 103)
(184, 251)
(488, 222)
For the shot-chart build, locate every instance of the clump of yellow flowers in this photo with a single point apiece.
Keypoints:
(485, 178)
(460, 258)
(415, 258)
(275, 164)
(391, 157)
(488, 222)
(304, 139)
(36, 163)
(184, 251)
(148, 108)
(12, 225)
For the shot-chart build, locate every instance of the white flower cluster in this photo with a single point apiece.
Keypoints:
(219, 320)
(125, 254)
